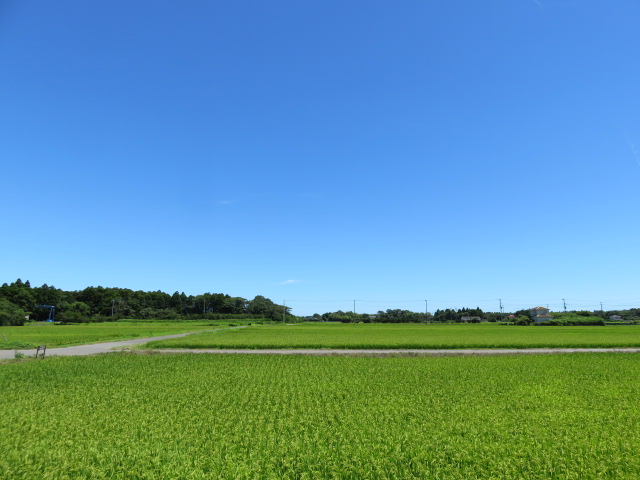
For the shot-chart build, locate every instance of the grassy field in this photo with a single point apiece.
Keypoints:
(408, 336)
(58, 335)
(190, 416)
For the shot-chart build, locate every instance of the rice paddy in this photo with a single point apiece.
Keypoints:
(410, 336)
(191, 416)
(29, 336)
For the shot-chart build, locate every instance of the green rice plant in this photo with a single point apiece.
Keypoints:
(29, 336)
(296, 417)
(408, 336)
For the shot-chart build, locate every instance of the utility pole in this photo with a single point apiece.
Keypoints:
(426, 311)
(601, 307)
(284, 309)
(565, 304)
(354, 307)
(112, 302)
(501, 309)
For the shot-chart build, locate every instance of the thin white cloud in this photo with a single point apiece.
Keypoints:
(289, 282)
(632, 146)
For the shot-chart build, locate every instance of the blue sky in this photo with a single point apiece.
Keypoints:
(324, 151)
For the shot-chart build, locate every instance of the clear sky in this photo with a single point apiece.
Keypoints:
(319, 152)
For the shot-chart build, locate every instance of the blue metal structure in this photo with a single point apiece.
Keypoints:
(52, 311)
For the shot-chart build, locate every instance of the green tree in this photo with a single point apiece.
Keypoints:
(20, 294)
(76, 312)
(11, 314)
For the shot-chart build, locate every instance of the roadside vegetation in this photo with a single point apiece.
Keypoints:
(439, 336)
(242, 417)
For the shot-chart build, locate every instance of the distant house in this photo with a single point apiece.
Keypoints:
(540, 314)
(615, 318)
(470, 319)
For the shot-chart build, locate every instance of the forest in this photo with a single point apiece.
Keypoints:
(20, 300)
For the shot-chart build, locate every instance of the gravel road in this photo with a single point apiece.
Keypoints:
(405, 352)
(113, 347)
(95, 348)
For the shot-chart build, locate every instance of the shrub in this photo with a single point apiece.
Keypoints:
(11, 314)
(522, 320)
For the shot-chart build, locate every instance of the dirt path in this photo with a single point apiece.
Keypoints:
(403, 352)
(95, 348)
(113, 347)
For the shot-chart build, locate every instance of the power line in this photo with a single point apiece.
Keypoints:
(510, 306)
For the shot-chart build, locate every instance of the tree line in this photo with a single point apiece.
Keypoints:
(472, 315)
(476, 315)
(19, 300)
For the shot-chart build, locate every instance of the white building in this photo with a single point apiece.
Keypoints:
(540, 314)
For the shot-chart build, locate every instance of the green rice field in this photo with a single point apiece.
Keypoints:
(439, 336)
(187, 416)
(29, 336)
